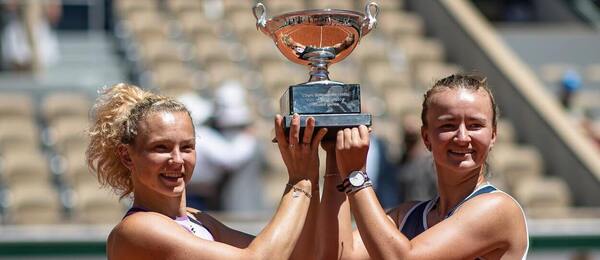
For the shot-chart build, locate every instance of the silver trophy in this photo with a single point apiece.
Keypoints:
(319, 38)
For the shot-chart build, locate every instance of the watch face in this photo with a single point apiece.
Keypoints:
(356, 179)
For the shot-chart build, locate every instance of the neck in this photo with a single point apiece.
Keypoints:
(155, 202)
(452, 191)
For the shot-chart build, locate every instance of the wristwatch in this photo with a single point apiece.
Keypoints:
(355, 181)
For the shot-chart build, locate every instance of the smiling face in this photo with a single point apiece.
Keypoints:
(459, 129)
(162, 156)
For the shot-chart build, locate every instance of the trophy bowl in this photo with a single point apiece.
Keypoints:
(317, 39)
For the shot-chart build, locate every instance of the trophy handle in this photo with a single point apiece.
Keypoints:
(370, 21)
(260, 13)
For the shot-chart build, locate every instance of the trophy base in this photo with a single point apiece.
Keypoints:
(333, 122)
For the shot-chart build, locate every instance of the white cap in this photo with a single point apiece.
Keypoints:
(200, 108)
(231, 108)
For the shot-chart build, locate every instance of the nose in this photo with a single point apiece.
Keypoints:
(176, 157)
(462, 134)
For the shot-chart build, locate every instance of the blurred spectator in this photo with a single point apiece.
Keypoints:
(570, 84)
(382, 172)
(417, 175)
(229, 162)
(28, 42)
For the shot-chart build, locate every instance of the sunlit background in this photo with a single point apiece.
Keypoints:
(542, 60)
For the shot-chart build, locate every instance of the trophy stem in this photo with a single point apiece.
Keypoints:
(319, 61)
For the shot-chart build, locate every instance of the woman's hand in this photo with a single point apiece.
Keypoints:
(352, 146)
(299, 155)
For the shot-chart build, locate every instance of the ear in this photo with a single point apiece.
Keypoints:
(494, 135)
(425, 138)
(123, 152)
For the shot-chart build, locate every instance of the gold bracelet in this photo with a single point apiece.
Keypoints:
(331, 175)
(295, 193)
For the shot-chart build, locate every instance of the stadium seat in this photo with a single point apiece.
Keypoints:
(125, 7)
(68, 133)
(516, 163)
(400, 101)
(427, 72)
(24, 167)
(277, 7)
(171, 76)
(159, 51)
(211, 50)
(397, 25)
(505, 132)
(332, 4)
(418, 49)
(65, 104)
(383, 76)
(178, 7)
(76, 172)
(548, 192)
(34, 205)
(243, 23)
(18, 133)
(194, 25)
(592, 73)
(16, 104)
(95, 205)
(261, 50)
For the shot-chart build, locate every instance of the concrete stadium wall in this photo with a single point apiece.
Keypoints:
(538, 118)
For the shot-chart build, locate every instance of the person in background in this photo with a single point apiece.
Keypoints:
(28, 41)
(230, 176)
(570, 84)
(143, 144)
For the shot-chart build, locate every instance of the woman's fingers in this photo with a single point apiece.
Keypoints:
(308, 131)
(339, 144)
(279, 131)
(364, 134)
(355, 137)
(320, 134)
(347, 138)
(294, 130)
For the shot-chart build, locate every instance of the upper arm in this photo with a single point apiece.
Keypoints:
(359, 251)
(150, 236)
(223, 233)
(483, 224)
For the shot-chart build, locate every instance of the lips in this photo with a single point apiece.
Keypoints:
(461, 152)
(172, 176)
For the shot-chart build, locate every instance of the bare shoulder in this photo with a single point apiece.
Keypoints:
(142, 234)
(497, 215)
(497, 204)
(398, 213)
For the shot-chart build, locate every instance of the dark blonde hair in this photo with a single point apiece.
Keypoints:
(115, 120)
(473, 82)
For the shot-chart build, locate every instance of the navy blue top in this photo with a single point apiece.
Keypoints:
(415, 222)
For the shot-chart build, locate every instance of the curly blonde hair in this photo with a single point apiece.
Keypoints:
(115, 119)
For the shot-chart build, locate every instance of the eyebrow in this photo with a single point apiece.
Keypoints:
(451, 117)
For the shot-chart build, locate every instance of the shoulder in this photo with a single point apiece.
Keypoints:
(498, 204)
(398, 213)
(140, 234)
(496, 214)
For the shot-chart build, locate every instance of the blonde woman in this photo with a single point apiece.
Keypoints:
(143, 145)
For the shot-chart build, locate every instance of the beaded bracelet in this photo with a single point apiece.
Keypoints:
(296, 190)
